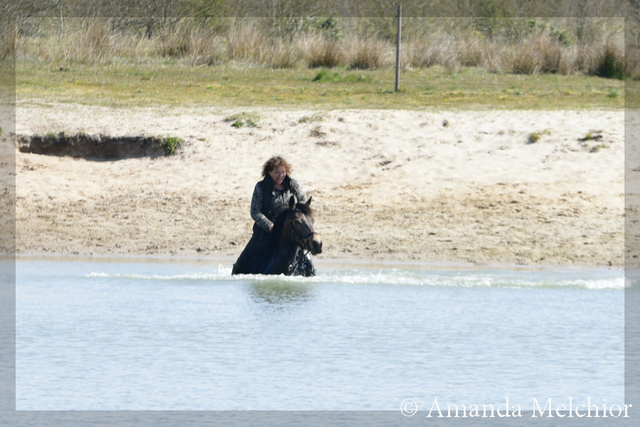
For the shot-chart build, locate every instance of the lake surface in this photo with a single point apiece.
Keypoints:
(146, 335)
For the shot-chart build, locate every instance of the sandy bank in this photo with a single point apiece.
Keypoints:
(466, 186)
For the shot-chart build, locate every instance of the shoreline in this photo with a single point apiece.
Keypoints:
(340, 262)
(455, 187)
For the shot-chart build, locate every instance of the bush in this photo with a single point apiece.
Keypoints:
(611, 64)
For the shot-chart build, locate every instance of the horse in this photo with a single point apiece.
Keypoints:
(292, 232)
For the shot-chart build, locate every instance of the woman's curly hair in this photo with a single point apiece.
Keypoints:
(275, 162)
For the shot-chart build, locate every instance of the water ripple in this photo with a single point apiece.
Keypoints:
(489, 279)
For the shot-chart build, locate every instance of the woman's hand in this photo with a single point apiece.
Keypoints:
(270, 227)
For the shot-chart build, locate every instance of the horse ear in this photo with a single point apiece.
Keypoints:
(292, 202)
(309, 201)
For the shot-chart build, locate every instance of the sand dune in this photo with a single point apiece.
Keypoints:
(457, 186)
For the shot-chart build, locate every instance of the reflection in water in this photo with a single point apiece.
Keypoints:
(278, 293)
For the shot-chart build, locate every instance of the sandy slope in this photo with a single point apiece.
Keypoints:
(387, 185)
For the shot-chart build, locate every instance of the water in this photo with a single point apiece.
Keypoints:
(188, 336)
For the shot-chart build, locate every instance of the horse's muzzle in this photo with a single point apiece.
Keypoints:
(316, 244)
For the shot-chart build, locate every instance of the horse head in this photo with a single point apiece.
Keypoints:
(299, 227)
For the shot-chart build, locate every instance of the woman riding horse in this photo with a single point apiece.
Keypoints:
(270, 197)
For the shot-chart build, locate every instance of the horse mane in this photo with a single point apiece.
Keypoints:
(278, 223)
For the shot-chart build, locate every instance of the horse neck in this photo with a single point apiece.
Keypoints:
(284, 253)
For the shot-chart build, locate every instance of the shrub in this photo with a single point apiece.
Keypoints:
(611, 63)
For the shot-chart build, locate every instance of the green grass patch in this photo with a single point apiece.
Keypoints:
(171, 144)
(243, 119)
(166, 83)
(592, 136)
(325, 76)
(310, 119)
(535, 136)
(597, 148)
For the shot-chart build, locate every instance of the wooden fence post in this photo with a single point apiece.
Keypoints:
(398, 39)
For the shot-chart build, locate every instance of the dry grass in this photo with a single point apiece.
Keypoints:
(475, 52)
(206, 50)
(632, 61)
(431, 51)
(90, 43)
(248, 44)
(586, 59)
(284, 54)
(538, 54)
(8, 40)
(324, 52)
(90, 40)
(195, 47)
(370, 54)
